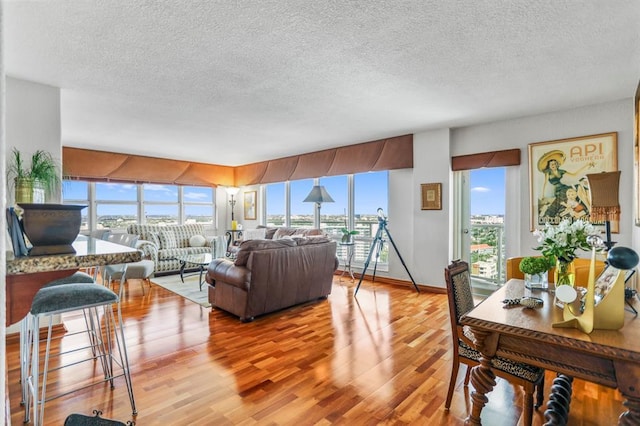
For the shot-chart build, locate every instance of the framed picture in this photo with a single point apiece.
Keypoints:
(250, 205)
(431, 196)
(558, 187)
(607, 279)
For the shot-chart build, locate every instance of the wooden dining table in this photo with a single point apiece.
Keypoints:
(27, 274)
(607, 357)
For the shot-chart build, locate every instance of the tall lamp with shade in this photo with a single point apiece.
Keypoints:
(232, 191)
(604, 188)
(318, 195)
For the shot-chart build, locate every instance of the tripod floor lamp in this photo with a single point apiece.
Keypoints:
(318, 195)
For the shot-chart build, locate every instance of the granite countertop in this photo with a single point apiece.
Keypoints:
(89, 252)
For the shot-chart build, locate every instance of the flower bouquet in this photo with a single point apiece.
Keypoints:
(561, 242)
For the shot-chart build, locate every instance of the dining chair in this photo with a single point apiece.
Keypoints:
(461, 302)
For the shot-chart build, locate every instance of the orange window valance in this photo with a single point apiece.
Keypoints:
(509, 157)
(385, 154)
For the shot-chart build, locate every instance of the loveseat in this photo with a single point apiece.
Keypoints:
(269, 275)
(163, 244)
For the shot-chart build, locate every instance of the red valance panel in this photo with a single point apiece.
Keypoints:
(509, 157)
(279, 170)
(314, 164)
(384, 154)
(86, 164)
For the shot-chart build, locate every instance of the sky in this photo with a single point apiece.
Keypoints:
(487, 191)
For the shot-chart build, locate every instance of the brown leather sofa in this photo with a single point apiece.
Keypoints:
(269, 275)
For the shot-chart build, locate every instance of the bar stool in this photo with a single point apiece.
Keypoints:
(107, 345)
(26, 331)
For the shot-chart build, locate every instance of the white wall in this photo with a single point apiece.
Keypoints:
(424, 237)
(32, 120)
(603, 118)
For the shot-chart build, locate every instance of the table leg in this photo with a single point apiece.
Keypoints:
(626, 374)
(557, 412)
(482, 377)
(183, 264)
(200, 279)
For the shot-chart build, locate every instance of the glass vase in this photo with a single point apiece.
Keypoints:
(565, 273)
(536, 281)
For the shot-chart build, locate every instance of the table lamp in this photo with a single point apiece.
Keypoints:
(605, 206)
(318, 195)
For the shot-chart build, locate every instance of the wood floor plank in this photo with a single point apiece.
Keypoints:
(381, 358)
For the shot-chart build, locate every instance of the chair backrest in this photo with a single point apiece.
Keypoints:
(458, 290)
(129, 240)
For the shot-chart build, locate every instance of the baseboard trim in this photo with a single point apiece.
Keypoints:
(398, 282)
(56, 329)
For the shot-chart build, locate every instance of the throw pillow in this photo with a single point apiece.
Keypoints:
(167, 240)
(254, 234)
(197, 241)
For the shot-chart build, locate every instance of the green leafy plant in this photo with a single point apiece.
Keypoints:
(536, 265)
(346, 234)
(43, 169)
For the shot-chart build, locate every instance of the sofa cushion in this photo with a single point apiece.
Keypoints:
(197, 241)
(246, 247)
(167, 240)
(284, 232)
(311, 239)
(254, 234)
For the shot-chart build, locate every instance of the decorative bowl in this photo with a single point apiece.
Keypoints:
(51, 228)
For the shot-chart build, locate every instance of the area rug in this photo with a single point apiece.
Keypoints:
(189, 289)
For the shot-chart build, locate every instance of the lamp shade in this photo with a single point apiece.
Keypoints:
(604, 188)
(318, 194)
(232, 190)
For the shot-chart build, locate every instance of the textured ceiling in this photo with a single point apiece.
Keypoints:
(235, 82)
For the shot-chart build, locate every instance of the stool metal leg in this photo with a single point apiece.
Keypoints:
(110, 348)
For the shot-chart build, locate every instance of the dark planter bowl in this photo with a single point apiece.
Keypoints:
(51, 228)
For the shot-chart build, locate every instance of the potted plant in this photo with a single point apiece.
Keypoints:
(347, 236)
(35, 181)
(535, 271)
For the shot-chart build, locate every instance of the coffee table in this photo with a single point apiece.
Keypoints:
(201, 261)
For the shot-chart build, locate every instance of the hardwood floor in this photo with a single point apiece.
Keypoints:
(381, 358)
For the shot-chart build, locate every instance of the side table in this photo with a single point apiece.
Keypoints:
(347, 257)
(232, 236)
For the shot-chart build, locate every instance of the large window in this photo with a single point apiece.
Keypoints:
(302, 213)
(357, 199)
(275, 203)
(334, 216)
(198, 206)
(370, 193)
(77, 192)
(117, 205)
(161, 204)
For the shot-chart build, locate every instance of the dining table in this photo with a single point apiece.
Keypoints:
(25, 275)
(607, 357)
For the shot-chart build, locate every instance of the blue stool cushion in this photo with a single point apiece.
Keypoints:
(78, 277)
(69, 297)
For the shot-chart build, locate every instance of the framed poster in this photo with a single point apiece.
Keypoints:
(431, 194)
(250, 205)
(558, 187)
